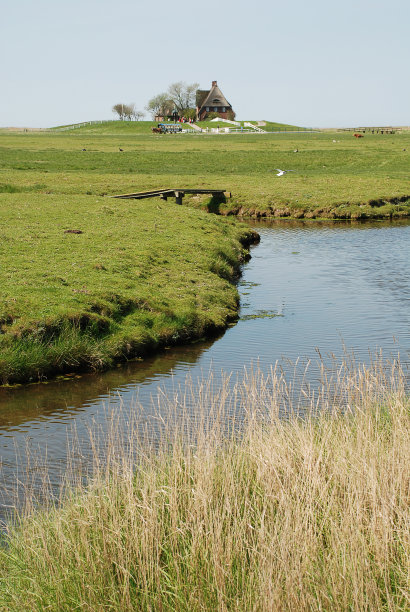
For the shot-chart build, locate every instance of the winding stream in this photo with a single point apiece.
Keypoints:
(310, 287)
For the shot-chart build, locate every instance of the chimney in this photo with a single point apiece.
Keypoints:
(214, 83)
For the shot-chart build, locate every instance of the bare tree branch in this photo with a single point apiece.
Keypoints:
(119, 110)
(156, 104)
(183, 95)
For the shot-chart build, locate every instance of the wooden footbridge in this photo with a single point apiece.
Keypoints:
(178, 194)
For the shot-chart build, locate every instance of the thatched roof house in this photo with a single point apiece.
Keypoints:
(212, 101)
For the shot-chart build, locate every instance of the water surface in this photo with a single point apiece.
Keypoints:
(310, 288)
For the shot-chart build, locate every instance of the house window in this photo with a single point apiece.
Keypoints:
(223, 109)
(216, 109)
(207, 109)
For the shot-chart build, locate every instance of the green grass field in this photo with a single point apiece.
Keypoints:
(148, 273)
(351, 177)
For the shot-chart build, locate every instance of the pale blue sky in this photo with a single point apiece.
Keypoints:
(318, 63)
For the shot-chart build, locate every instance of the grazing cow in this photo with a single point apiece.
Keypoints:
(359, 135)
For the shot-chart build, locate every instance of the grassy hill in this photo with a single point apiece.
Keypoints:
(270, 126)
(144, 127)
(108, 127)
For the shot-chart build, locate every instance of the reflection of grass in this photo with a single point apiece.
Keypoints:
(294, 514)
(261, 314)
(244, 283)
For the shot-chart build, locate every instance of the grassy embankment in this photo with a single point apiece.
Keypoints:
(269, 127)
(135, 279)
(298, 514)
(144, 127)
(144, 273)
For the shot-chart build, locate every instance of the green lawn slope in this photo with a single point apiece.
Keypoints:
(108, 127)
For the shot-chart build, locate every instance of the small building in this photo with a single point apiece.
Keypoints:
(212, 101)
(167, 111)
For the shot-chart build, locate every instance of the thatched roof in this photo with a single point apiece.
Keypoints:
(201, 94)
(213, 97)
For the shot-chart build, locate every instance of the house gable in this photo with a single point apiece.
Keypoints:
(212, 101)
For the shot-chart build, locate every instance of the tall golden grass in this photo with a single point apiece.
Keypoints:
(259, 495)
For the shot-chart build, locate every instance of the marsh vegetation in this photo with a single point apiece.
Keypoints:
(302, 504)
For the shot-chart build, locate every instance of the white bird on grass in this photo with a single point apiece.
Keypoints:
(282, 172)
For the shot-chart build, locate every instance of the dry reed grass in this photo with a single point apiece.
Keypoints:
(260, 495)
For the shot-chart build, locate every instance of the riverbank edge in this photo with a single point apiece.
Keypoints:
(397, 207)
(129, 352)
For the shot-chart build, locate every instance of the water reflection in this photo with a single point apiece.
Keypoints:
(71, 395)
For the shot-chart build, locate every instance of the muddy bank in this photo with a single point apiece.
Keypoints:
(384, 208)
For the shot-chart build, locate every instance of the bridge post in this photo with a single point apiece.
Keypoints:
(178, 197)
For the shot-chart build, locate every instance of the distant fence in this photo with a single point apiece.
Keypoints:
(373, 130)
(79, 125)
(250, 131)
(221, 131)
(299, 131)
